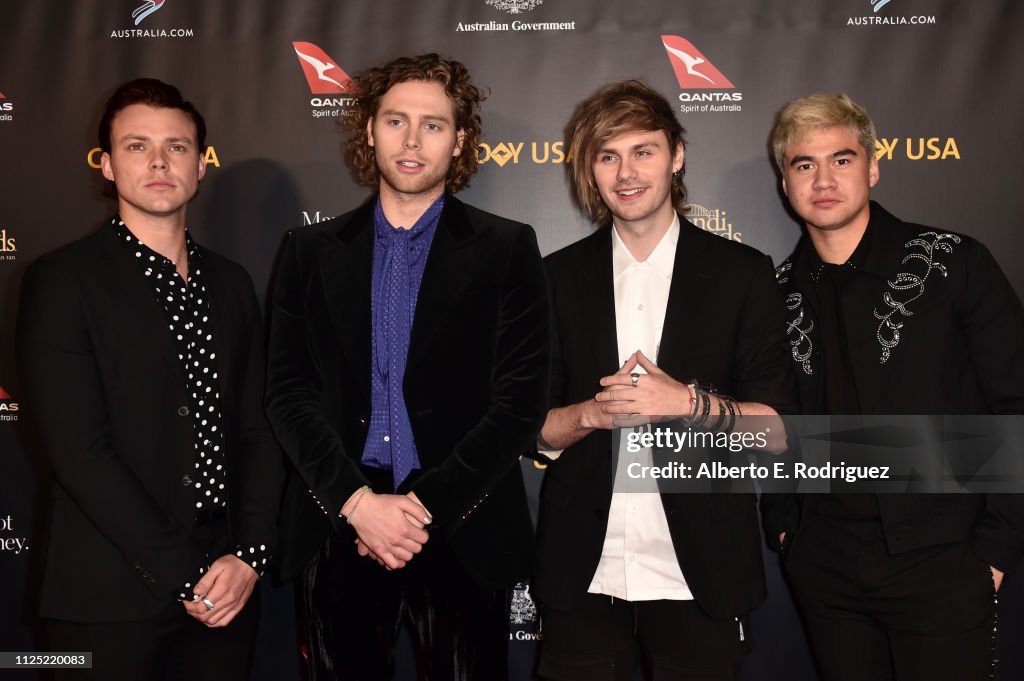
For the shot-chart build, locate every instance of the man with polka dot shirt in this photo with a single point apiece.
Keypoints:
(141, 353)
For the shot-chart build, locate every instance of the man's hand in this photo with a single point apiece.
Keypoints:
(653, 394)
(390, 528)
(363, 550)
(228, 584)
(997, 577)
(565, 426)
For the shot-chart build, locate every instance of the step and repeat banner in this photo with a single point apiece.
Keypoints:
(941, 79)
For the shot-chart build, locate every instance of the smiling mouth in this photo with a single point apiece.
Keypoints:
(411, 164)
(628, 193)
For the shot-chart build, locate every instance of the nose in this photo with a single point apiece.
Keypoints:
(824, 177)
(412, 138)
(158, 161)
(625, 171)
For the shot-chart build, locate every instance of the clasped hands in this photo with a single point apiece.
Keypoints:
(390, 528)
(627, 401)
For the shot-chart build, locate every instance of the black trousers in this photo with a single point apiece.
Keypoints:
(924, 615)
(171, 646)
(355, 609)
(603, 639)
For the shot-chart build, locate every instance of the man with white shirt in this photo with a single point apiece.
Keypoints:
(655, 321)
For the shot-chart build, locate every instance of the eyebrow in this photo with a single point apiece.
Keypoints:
(428, 117)
(635, 147)
(835, 154)
(146, 138)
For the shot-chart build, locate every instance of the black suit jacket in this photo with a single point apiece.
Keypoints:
(722, 323)
(105, 390)
(475, 382)
(959, 350)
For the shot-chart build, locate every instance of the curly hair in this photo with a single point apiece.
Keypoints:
(371, 85)
(615, 109)
(822, 110)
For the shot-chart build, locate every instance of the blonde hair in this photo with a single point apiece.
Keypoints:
(822, 110)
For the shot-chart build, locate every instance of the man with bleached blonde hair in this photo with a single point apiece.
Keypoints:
(887, 317)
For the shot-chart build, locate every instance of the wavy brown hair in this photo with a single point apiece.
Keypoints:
(615, 109)
(372, 84)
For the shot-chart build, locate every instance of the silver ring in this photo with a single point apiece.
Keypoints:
(635, 378)
(208, 603)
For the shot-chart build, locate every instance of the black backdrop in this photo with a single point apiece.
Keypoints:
(942, 80)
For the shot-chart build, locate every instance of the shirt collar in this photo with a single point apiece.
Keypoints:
(662, 259)
(128, 237)
(425, 224)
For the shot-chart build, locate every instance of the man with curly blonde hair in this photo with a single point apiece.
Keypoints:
(408, 372)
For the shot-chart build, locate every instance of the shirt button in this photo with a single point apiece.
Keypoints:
(640, 307)
(633, 510)
(632, 559)
(186, 481)
(182, 411)
(387, 438)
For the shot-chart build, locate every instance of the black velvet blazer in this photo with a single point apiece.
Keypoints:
(475, 382)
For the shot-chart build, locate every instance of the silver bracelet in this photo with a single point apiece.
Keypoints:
(362, 493)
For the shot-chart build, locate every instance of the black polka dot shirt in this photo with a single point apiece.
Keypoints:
(187, 313)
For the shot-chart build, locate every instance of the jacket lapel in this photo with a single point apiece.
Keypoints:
(450, 262)
(689, 289)
(346, 262)
(596, 293)
(125, 284)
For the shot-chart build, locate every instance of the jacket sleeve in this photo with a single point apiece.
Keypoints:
(295, 385)
(258, 466)
(518, 401)
(764, 373)
(69, 407)
(992, 320)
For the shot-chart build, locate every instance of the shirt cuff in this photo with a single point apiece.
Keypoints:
(256, 556)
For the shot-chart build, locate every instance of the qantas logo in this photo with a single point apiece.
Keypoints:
(693, 70)
(145, 9)
(323, 75)
(8, 407)
(879, 4)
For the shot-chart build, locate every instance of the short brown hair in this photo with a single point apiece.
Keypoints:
(617, 108)
(374, 83)
(151, 92)
(822, 110)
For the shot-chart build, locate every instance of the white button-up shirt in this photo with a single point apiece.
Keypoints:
(638, 561)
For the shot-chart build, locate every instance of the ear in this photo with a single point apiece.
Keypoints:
(369, 131)
(202, 164)
(460, 139)
(678, 158)
(785, 189)
(873, 171)
(108, 172)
